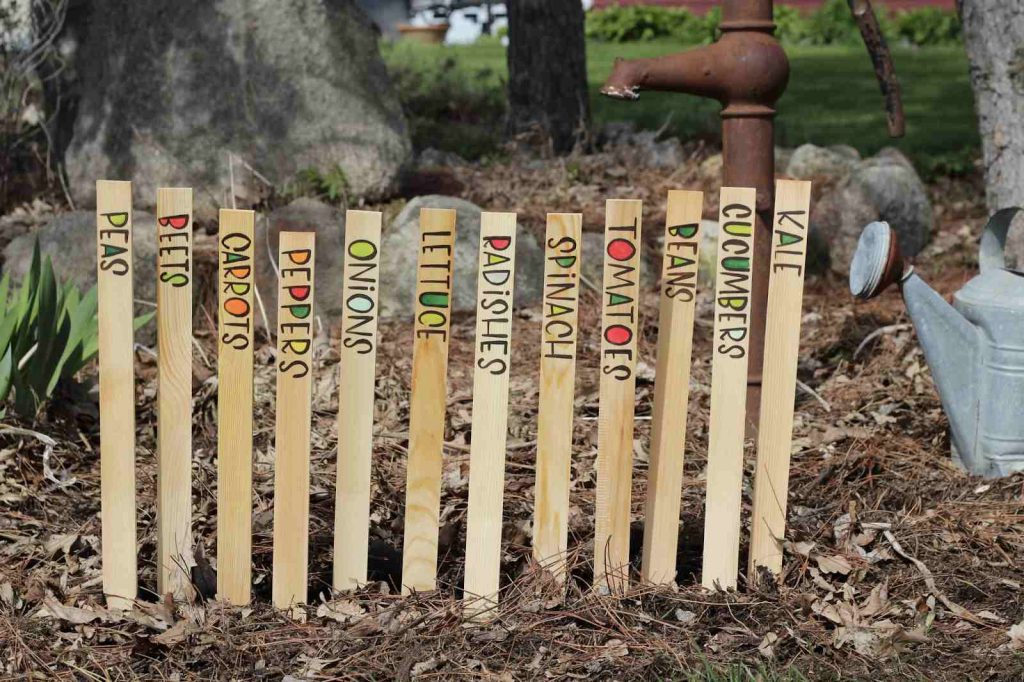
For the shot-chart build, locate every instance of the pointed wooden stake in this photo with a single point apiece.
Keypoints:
(295, 332)
(778, 392)
(429, 398)
(356, 398)
(672, 385)
(728, 388)
(619, 324)
(117, 391)
(234, 406)
(174, 397)
(557, 383)
(490, 413)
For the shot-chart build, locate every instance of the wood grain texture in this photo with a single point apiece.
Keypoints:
(295, 333)
(429, 398)
(234, 405)
(619, 324)
(490, 413)
(778, 389)
(677, 305)
(174, 397)
(559, 330)
(114, 271)
(728, 388)
(356, 383)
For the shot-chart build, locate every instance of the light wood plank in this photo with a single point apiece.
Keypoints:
(234, 406)
(778, 391)
(295, 334)
(429, 398)
(728, 388)
(114, 271)
(490, 413)
(174, 397)
(356, 397)
(559, 329)
(620, 318)
(677, 304)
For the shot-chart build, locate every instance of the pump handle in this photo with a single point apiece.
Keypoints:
(881, 58)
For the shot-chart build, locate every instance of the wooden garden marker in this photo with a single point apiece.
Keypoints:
(429, 398)
(356, 397)
(619, 325)
(728, 388)
(557, 379)
(174, 396)
(295, 317)
(490, 413)
(782, 345)
(234, 406)
(672, 385)
(117, 391)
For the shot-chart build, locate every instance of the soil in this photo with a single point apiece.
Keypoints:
(898, 565)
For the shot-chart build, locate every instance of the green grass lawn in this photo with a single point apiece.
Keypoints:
(832, 98)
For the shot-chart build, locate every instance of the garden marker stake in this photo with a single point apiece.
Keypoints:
(234, 406)
(619, 324)
(672, 385)
(782, 345)
(295, 316)
(117, 391)
(562, 250)
(174, 394)
(429, 397)
(355, 400)
(728, 388)
(490, 413)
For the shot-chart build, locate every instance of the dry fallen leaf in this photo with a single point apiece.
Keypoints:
(834, 564)
(53, 609)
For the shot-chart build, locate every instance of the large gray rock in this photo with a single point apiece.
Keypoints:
(168, 88)
(303, 215)
(884, 187)
(810, 162)
(399, 251)
(70, 240)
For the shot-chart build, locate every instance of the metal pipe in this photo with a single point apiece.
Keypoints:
(747, 71)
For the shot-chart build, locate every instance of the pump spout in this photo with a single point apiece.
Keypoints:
(950, 342)
(746, 71)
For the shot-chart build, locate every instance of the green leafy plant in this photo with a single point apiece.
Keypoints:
(48, 332)
(331, 184)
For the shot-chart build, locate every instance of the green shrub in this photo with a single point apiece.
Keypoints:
(48, 332)
(645, 22)
(450, 106)
(927, 26)
(831, 24)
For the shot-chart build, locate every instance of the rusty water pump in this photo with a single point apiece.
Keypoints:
(747, 71)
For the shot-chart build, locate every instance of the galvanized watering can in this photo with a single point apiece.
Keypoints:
(975, 347)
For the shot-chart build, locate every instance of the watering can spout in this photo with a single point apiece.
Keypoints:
(949, 340)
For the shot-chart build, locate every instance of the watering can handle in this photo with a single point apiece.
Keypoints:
(993, 239)
(881, 58)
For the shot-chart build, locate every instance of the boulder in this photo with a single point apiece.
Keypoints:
(399, 251)
(810, 162)
(303, 215)
(884, 187)
(70, 240)
(229, 96)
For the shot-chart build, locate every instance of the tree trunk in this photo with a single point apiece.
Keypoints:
(547, 71)
(994, 36)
